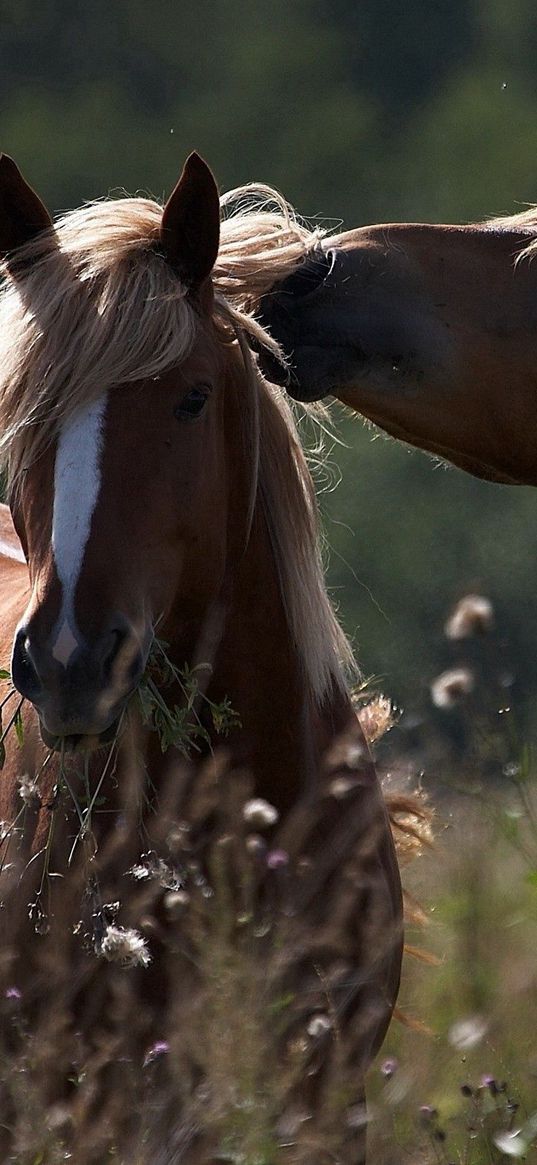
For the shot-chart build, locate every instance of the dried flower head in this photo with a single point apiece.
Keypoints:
(318, 1025)
(376, 717)
(152, 868)
(473, 615)
(467, 1033)
(260, 814)
(29, 791)
(452, 687)
(123, 944)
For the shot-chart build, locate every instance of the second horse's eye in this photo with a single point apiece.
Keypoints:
(193, 403)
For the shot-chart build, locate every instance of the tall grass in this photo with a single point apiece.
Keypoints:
(252, 1061)
(465, 1091)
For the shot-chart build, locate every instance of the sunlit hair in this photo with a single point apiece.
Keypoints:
(524, 222)
(262, 241)
(96, 305)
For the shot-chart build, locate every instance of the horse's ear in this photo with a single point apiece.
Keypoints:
(22, 214)
(190, 229)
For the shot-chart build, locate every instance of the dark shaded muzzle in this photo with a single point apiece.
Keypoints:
(280, 312)
(84, 696)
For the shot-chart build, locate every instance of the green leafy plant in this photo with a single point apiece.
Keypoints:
(183, 725)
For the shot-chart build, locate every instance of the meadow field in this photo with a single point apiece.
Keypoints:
(359, 113)
(456, 1080)
(459, 1083)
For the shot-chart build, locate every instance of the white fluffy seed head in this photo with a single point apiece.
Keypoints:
(260, 814)
(319, 1025)
(29, 791)
(452, 687)
(123, 944)
(473, 615)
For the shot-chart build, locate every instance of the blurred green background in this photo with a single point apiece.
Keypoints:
(359, 112)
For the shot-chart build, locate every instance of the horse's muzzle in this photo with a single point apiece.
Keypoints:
(80, 741)
(80, 700)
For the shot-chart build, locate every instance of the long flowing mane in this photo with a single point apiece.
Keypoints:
(98, 305)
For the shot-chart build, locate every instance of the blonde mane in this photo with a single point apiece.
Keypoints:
(99, 306)
(524, 222)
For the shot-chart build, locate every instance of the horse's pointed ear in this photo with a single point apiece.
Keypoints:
(190, 229)
(22, 214)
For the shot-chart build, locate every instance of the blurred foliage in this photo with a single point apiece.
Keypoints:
(361, 112)
(408, 538)
(471, 1074)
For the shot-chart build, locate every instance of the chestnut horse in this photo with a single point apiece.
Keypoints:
(157, 487)
(429, 331)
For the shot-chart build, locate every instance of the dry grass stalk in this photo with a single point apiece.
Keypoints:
(262, 949)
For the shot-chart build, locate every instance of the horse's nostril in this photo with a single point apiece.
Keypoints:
(23, 671)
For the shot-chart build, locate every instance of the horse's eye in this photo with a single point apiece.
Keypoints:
(193, 403)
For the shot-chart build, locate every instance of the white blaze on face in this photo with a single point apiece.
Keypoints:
(77, 481)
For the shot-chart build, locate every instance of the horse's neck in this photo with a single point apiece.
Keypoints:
(257, 667)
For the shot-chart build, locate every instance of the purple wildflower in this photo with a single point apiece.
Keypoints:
(158, 1049)
(277, 859)
(13, 993)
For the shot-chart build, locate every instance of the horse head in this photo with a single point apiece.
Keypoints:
(427, 330)
(119, 483)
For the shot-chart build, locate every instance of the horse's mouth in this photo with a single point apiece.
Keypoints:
(79, 742)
